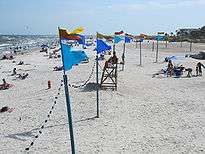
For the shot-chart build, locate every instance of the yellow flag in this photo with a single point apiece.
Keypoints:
(77, 31)
(101, 36)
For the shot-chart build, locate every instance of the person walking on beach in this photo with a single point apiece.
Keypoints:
(170, 68)
(199, 69)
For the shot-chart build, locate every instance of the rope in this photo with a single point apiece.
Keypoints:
(86, 82)
(46, 120)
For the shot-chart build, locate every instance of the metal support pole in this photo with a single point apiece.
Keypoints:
(157, 51)
(190, 46)
(68, 103)
(113, 48)
(69, 113)
(123, 56)
(140, 53)
(97, 86)
(153, 46)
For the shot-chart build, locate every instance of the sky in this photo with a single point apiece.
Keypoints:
(106, 16)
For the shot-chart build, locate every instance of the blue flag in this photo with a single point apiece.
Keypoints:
(82, 40)
(71, 58)
(117, 39)
(141, 40)
(127, 39)
(102, 46)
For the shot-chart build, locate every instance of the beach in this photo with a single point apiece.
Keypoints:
(145, 115)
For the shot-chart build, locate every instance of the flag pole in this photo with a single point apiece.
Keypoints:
(153, 46)
(157, 50)
(97, 82)
(136, 43)
(114, 45)
(140, 53)
(190, 47)
(68, 103)
(123, 56)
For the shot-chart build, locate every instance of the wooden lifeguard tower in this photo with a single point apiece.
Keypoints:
(109, 75)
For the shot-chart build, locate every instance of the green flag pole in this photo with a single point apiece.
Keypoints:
(157, 50)
(136, 43)
(68, 103)
(191, 46)
(97, 86)
(140, 53)
(123, 56)
(153, 46)
(114, 45)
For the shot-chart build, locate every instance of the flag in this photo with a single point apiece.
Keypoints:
(82, 39)
(102, 36)
(77, 30)
(70, 57)
(141, 40)
(102, 46)
(117, 39)
(119, 33)
(127, 39)
(64, 34)
(159, 38)
(129, 35)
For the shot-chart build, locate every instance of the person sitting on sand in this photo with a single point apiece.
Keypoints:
(20, 63)
(4, 85)
(199, 69)
(14, 72)
(189, 70)
(58, 68)
(23, 76)
(170, 68)
(6, 109)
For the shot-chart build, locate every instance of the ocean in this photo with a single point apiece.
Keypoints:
(10, 42)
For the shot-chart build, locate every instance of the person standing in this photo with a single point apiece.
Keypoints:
(170, 68)
(199, 69)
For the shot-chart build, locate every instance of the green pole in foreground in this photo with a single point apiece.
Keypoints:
(69, 113)
(68, 103)
(97, 86)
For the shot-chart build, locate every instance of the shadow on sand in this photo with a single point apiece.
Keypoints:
(32, 133)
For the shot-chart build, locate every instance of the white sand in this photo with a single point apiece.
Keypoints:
(145, 114)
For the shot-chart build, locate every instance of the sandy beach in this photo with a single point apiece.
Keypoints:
(162, 115)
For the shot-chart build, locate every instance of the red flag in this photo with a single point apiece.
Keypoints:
(64, 35)
(119, 33)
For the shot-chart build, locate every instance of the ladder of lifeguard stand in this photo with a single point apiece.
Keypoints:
(109, 77)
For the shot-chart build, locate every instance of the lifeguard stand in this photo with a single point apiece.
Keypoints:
(109, 76)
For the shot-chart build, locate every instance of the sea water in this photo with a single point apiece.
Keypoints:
(12, 42)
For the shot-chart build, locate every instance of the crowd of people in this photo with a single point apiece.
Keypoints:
(178, 71)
